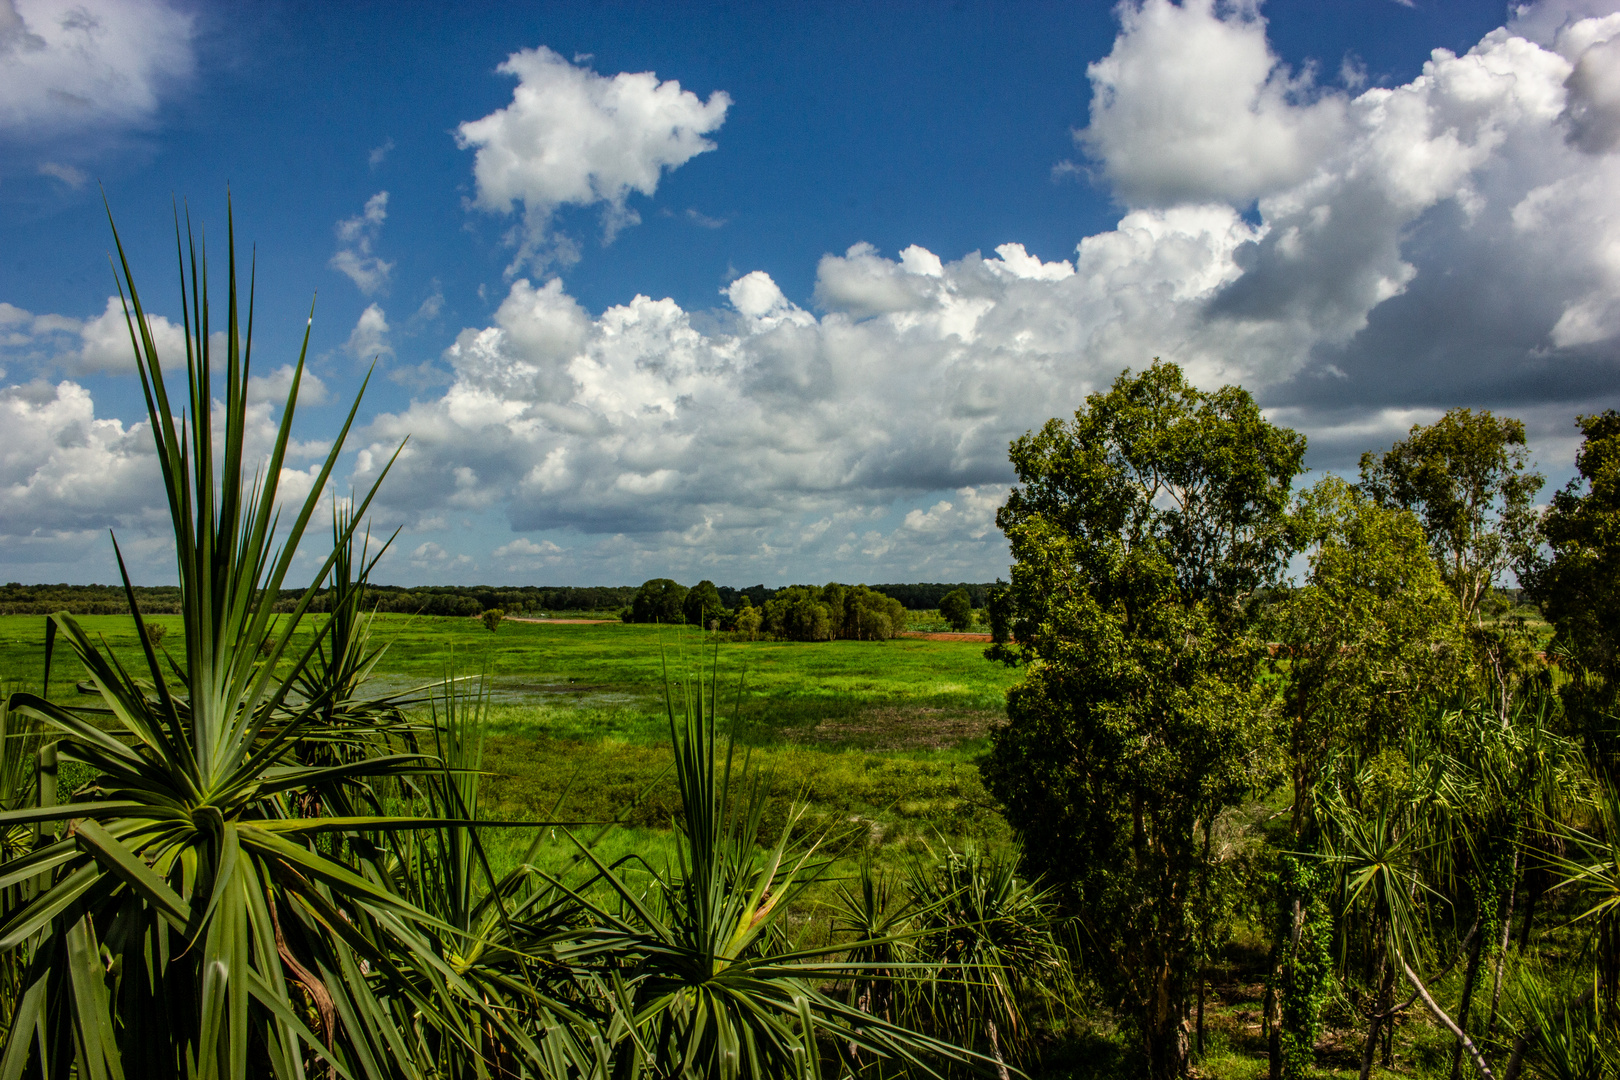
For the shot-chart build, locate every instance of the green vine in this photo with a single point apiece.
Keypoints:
(1305, 972)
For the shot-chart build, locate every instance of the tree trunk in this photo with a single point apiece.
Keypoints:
(1202, 980)
(995, 1048)
(1470, 976)
(1532, 883)
(1501, 950)
(1166, 1032)
(1380, 1014)
(1447, 1023)
(1271, 1016)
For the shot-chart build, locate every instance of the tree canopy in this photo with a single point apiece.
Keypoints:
(659, 600)
(1576, 581)
(1139, 532)
(956, 608)
(1468, 478)
(702, 606)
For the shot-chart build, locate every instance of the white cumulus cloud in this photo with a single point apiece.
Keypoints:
(67, 66)
(1457, 243)
(572, 137)
(356, 260)
(369, 338)
(1191, 105)
(1453, 244)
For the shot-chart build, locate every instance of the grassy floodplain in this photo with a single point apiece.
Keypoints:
(877, 738)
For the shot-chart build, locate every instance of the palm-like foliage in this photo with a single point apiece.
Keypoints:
(1592, 870)
(19, 767)
(987, 938)
(707, 979)
(184, 857)
(212, 904)
(1565, 1038)
(520, 943)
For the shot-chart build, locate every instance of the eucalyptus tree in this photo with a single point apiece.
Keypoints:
(1468, 478)
(1357, 651)
(1140, 531)
(1576, 582)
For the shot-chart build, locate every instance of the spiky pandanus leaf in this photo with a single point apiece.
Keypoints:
(184, 858)
(706, 980)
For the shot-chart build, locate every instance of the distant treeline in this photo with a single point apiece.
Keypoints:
(475, 599)
(923, 596)
(18, 599)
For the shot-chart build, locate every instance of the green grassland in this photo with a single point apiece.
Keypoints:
(871, 739)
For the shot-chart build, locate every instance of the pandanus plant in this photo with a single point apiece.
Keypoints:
(707, 978)
(171, 895)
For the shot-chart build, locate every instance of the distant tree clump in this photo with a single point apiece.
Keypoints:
(659, 600)
(956, 608)
(492, 619)
(748, 619)
(702, 606)
(833, 611)
(926, 595)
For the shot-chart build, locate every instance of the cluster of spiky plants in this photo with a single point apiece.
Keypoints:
(961, 946)
(271, 873)
(1418, 860)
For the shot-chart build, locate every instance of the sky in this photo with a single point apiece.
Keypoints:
(762, 292)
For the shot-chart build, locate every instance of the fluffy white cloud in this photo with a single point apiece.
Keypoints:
(355, 260)
(62, 469)
(525, 556)
(1191, 106)
(433, 558)
(369, 339)
(68, 475)
(572, 137)
(66, 66)
(274, 387)
(105, 342)
(1457, 242)
(99, 345)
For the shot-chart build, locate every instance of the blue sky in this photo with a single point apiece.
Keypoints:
(760, 293)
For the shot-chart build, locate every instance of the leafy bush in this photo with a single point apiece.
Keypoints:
(956, 608)
(659, 601)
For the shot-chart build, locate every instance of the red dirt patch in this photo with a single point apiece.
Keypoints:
(572, 622)
(943, 636)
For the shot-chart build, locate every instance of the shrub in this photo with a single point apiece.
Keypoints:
(956, 608)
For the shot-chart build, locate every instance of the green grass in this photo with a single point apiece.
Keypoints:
(877, 740)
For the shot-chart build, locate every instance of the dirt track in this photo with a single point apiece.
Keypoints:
(944, 636)
(572, 622)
